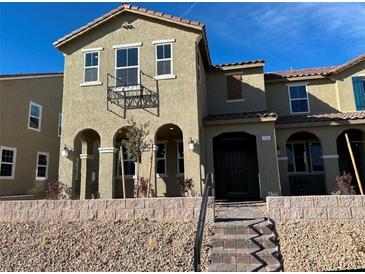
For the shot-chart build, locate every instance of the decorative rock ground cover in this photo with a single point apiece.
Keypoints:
(322, 245)
(138, 245)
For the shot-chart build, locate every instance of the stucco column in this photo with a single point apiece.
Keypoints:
(330, 161)
(85, 169)
(106, 172)
(268, 164)
(283, 165)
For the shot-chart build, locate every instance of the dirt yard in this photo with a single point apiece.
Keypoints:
(322, 245)
(94, 246)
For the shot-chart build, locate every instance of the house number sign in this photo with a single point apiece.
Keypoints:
(266, 138)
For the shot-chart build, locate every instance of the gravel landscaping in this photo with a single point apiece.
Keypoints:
(322, 245)
(95, 246)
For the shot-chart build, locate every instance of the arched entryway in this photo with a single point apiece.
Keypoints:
(169, 160)
(86, 165)
(357, 142)
(236, 166)
(128, 165)
(305, 164)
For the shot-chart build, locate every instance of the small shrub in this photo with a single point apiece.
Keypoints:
(95, 195)
(186, 187)
(141, 188)
(58, 191)
(344, 184)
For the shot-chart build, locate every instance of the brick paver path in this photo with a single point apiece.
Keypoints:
(243, 239)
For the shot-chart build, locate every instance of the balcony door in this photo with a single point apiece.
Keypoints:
(127, 67)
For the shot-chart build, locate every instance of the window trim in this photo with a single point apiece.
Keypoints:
(165, 158)
(171, 59)
(91, 83)
(179, 158)
(125, 47)
(129, 159)
(30, 115)
(37, 165)
(296, 99)
(59, 128)
(14, 149)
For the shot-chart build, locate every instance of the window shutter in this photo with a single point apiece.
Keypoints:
(234, 85)
(359, 92)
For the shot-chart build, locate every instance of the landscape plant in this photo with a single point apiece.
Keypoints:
(186, 186)
(58, 191)
(344, 184)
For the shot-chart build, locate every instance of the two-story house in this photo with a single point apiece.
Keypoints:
(258, 133)
(30, 130)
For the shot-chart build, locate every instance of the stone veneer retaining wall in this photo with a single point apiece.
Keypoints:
(164, 209)
(331, 207)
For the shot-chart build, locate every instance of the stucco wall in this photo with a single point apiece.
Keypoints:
(15, 95)
(178, 97)
(253, 90)
(341, 207)
(162, 209)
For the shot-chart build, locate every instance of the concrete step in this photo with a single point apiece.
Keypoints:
(237, 242)
(248, 259)
(216, 251)
(244, 268)
(244, 230)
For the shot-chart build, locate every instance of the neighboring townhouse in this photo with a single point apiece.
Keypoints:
(258, 133)
(30, 129)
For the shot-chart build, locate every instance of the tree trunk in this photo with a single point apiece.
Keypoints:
(150, 175)
(122, 167)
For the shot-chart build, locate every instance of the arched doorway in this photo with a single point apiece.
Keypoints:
(86, 165)
(169, 160)
(305, 164)
(236, 166)
(357, 142)
(128, 165)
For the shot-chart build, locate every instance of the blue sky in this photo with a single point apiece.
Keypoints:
(285, 35)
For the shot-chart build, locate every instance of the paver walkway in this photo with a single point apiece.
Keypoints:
(243, 239)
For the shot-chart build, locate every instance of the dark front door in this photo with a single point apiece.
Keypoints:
(235, 165)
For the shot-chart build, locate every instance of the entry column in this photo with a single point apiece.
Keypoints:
(85, 181)
(330, 161)
(106, 172)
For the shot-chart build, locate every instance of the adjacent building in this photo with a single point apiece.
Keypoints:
(30, 130)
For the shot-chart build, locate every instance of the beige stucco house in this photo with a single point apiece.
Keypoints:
(257, 132)
(30, 129)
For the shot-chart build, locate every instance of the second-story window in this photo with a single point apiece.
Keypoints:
(127, 67)
(35, 116)
(164, 59)
(298, 97)
(234, 87)
(91, 67)
(358, 84)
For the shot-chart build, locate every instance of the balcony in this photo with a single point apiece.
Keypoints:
(139, 94)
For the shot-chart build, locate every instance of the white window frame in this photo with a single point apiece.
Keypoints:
(164, 158)
(30, 115)
(125, 47)
(164, 76)
(37, 165)
(12, 176)
(59, 129)
(296, 99)
(178, 157)
(97, 82)
(129, 159)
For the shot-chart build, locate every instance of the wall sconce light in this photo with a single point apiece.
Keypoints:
(65, 151)
(191, 144)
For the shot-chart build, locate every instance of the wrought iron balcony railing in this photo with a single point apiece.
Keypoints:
(142, 95)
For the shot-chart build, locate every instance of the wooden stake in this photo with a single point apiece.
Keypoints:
(150, 175)
(354, 163)
(122, 167)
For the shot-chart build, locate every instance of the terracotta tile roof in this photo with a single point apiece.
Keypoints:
(131, 8)
(20, 75)
(324, 117)
(238, 64)
(348, 64)
(239, 115)
(299, 73)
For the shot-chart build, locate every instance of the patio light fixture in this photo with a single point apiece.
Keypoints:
(65, 151)
(191, 144)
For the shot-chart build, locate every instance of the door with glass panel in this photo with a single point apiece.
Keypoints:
(127, 67)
